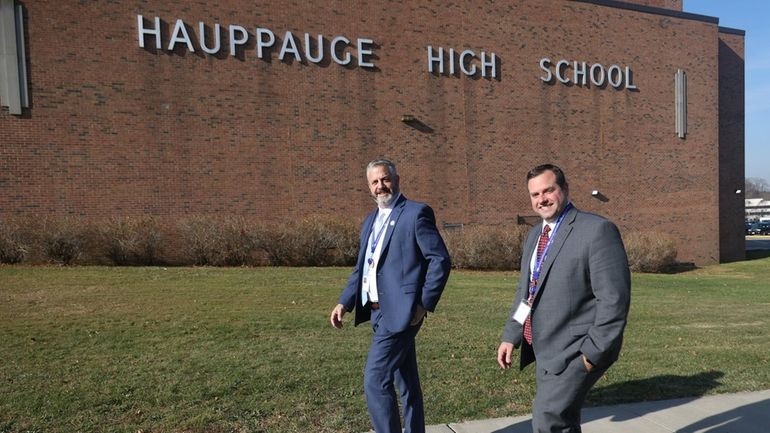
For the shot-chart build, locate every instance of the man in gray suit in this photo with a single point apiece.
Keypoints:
(571, 305)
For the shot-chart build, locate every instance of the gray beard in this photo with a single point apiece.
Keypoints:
(385, 200)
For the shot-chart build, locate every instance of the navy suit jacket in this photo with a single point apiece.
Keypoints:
(413, 267)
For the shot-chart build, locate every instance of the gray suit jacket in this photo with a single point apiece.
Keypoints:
(583, 295)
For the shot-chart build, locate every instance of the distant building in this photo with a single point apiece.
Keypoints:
(757, 209)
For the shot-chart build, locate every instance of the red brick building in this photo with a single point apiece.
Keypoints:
(128, 108)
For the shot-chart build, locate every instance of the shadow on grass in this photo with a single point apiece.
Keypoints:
(674, 268)
(665, 387)
(757, 254)
(680, 268)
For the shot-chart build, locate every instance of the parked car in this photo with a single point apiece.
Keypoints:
(764, 228)
(760, 228)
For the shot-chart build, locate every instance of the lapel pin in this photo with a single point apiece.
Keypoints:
(392, 223)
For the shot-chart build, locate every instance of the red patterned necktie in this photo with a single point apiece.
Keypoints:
(540, 248)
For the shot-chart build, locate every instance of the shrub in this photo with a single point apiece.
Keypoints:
(130, 241)
(14, 242)
(650, 252)
(328, 241)
(195, 240)
(216, 241)
(62, 240)
(312, 241)
(486, 247)
(277, 243)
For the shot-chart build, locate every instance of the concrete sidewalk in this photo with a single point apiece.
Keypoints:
(728, 413)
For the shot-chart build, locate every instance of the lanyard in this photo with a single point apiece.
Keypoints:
(539, 262)
(376, 239)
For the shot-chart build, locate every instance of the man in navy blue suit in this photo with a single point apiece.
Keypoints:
(403, 266)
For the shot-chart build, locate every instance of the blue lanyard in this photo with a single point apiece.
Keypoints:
(539, 261)
(376, 239)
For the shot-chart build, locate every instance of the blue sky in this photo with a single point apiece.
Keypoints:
(753, 16)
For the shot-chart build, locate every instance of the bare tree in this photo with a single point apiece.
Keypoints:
(756, 187)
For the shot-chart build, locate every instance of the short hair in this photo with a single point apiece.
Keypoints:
(561, 180)
(383, 162)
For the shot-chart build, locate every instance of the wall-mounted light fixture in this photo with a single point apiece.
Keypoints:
(738, 191)
(599, 196)
(411, 120)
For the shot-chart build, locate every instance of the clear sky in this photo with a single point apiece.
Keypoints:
(753, 16)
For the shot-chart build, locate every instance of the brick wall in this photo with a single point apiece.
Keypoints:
(731, 146)
(115, 129)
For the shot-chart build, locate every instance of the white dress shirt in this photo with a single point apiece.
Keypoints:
(369, 280)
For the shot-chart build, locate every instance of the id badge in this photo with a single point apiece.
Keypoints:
(522, 313)
(370, 276)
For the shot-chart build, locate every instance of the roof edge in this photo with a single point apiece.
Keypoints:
(732, 31)
(652, 10)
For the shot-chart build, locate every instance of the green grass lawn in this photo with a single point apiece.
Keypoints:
(251, 349)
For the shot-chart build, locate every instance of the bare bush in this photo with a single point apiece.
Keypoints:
(130, 241)
(486, 247)
(62, 240)
(216, 241)
(650, 252)
(278, 243)
(328, 241)
(195, 240)
(312, 241)
(15, 242)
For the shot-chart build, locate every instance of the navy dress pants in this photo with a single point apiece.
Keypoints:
(391, 363)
